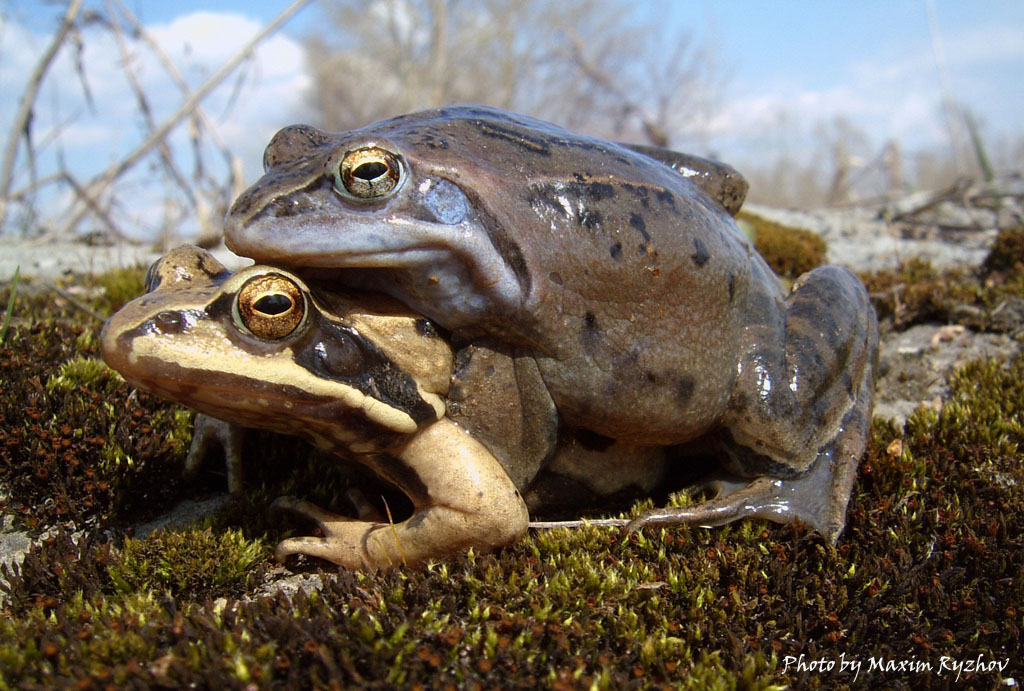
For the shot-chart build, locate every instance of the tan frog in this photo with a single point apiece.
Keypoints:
(612, 277)
(368, 381)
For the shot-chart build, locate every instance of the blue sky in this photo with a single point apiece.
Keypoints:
(801, 46)
(788, 67)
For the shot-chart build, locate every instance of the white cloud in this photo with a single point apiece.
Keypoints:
(268, 91)
(888, 96)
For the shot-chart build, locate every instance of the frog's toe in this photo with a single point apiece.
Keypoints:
(344, 542)
(757, 498)
(338, 551)
(817, 498)
(308, 510)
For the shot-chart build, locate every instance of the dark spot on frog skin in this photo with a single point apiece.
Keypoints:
(740, 401)
(399, 390)
(636, 221)
(432, 140)
(701, 255)
(221, 307)
(847, 382)
(732, 286)
(627, 360)
(592, 441)
(616, 250)
(209, 266)
(555, 278)
(543, 199)
(641, 193)
(684, 390)
(590, 219)
(667, 198)
(593, 191)
(589, 336)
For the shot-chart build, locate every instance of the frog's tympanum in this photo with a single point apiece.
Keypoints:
(604, 311)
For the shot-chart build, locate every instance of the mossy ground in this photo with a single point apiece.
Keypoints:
(931, 564)
(789, 251)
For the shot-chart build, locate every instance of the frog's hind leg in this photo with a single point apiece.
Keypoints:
(798, 420)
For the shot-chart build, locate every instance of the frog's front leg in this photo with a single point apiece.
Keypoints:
(801, 408)
(462, 498)
(208, 432)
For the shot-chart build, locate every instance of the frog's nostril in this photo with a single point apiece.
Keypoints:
(169, 322)
(281, 207)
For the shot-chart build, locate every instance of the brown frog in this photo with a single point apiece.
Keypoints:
(614, 276)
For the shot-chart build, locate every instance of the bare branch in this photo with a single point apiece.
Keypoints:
(23, 118)
(654, 131)
(147, 113)
(189, 105)
(101, 182)
(93, 206)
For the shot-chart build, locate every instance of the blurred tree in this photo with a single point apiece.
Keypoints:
(607, 67)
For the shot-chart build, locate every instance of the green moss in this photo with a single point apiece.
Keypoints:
(1007, 253)
(189, 564)
(88, 372)
(986, 410)
(917, 293)
(931, 563)
(789, 251)
(119, 287)
(77, 443)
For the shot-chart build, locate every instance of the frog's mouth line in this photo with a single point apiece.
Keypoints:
(475, 252)
(288, 410)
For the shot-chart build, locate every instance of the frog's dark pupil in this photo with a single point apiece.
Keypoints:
(370, 171)
(273, 304)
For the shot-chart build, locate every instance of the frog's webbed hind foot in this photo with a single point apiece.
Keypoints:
(818, 497)
(757, 498)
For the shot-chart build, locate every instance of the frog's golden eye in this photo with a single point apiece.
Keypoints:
(270, 306)
(371, 174)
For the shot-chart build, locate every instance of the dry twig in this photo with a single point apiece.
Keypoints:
(20, 126)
